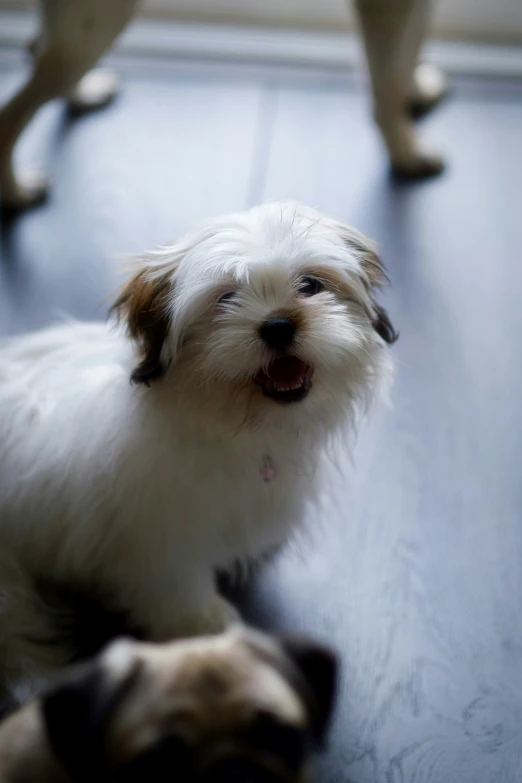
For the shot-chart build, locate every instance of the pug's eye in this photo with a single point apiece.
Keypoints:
(310, 286)
(166, 758)
(236, 772)
(226, 297)
(279, 739)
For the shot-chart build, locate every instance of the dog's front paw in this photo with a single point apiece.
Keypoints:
(95, 90)
(27, 189)
(411, 156)
(430, 87)
(421, 164)
(216, 616)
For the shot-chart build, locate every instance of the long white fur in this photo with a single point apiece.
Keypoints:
(144, 491)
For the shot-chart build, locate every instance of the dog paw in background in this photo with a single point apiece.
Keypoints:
(94, 91)
(73, 37)
(239, 706)
(393, 33)
(430, 87)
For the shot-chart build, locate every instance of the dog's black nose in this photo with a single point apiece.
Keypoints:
(278, 332)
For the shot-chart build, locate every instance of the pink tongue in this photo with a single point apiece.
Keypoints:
(287, 369)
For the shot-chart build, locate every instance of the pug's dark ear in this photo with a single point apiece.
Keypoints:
(77, 710)
(317, 685)
(144, 305)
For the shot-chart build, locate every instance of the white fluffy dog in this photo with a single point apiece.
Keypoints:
(249, 344)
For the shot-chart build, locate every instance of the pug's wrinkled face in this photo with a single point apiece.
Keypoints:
(236, 708)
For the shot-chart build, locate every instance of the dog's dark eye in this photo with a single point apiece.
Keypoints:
(168, 757)
(240, 771)
(226, 297)
(310, 286)
(278, 739)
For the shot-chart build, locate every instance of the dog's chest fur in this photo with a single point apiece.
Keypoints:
(130, 472)
(231, 499)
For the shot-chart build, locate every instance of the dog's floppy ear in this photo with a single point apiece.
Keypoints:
(144, 305)
(382, 324)
(366, 252)
(375, 277)
(77, 710)
(317, 667)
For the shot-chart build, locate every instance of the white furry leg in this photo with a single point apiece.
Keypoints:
(393, 31)
(216, 616)
(189, 606)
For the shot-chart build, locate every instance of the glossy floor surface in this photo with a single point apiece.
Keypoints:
(415, 573)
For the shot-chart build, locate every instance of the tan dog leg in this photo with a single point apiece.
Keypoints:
(429, 84)
(74, 36)
(28, 187)
(393, 31)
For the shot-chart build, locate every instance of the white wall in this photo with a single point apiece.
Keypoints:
(481, 20)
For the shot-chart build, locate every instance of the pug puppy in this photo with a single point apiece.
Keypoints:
(237, 707)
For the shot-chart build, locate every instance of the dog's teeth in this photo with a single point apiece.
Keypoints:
(296, 386)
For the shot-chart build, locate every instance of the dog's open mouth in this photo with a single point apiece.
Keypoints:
(287, 379)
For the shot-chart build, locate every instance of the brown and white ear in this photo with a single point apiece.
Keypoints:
(144, 305)
(77, 710)
(375, 277)
(318, 669)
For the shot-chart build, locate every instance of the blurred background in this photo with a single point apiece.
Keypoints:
(226, 103)
(415, 573)
(475, 20)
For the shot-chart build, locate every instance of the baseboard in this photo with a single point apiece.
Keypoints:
(304, 47)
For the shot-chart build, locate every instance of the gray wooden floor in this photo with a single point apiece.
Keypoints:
(415, 573)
